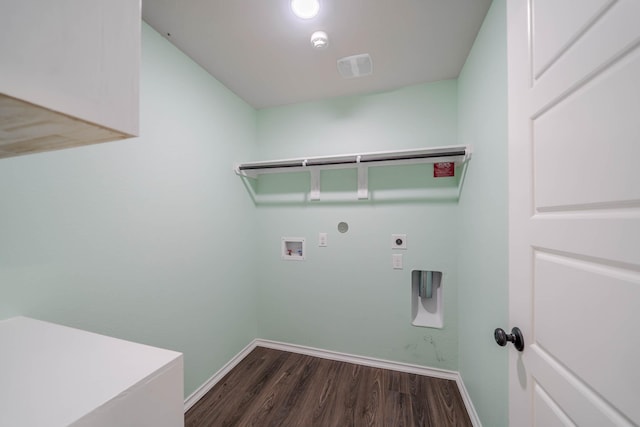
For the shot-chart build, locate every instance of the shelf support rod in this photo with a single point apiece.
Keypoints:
(363, 180)
(314, 194)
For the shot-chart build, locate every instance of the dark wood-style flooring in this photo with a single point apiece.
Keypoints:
(278, 388)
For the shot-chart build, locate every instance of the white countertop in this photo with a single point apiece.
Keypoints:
(52, 375)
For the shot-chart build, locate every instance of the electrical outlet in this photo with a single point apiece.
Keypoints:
(398, 241)
(322, 239)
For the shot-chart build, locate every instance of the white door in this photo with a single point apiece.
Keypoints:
(574, 211)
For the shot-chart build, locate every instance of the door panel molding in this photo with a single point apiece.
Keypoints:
(574, 211)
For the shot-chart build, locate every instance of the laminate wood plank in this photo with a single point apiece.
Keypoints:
(251, 396)
(398, 410)
(399, 381)
(340, 388)
(400, 404)
(348, 391)
(280, 400)
(445, 403)
(370, 401)
(276, 388)
(419, 404)
(317, 398)
(224, 403)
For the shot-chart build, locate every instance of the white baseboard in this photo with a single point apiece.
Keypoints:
(359, 360)
(471, 410)
(193, 398)
(340, 357)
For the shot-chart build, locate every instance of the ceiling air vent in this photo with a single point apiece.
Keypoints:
(355, 66)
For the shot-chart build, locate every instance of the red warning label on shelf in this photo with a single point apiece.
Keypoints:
(443, 169)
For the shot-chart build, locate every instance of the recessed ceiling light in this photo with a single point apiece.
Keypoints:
(305, 9)
(319, 40)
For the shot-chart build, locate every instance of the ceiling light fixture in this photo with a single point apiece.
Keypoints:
(319, 40)
(305, 9)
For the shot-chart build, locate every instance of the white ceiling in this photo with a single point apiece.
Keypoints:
(262, 52)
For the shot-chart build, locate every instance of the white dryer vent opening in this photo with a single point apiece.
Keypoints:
(355, 66)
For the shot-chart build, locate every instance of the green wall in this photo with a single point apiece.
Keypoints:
(145, 239)
(346, 297)
(482, 251)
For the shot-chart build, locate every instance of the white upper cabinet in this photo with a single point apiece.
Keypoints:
(69, 73)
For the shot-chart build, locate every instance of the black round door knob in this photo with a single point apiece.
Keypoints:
(502, 338)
